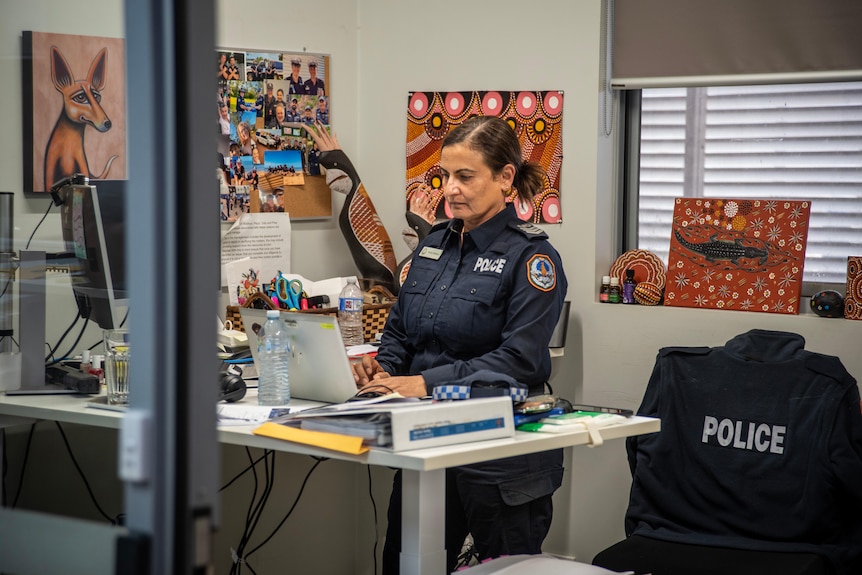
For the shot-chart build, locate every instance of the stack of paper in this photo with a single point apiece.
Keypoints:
(576, 420)
(399, 423)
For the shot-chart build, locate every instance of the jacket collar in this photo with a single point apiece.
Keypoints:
(766, 346)
(487, 233)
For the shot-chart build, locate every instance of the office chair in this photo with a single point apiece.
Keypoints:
(757, 468)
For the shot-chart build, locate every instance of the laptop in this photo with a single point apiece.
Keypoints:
(319, 366)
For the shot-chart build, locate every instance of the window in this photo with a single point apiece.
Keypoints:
(776, 141)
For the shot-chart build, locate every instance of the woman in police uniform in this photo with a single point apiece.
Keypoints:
(484, 292)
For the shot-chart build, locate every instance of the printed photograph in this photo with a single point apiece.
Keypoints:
(263, 100)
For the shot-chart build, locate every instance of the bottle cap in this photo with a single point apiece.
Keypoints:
(615, 281)
(85, 356)
(606, 279)
(630, 274)
(97, 362)
(272, 314)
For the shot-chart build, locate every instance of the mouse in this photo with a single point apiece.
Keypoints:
(366, 395)
(232, 387)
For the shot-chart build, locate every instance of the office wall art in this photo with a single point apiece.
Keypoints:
(74, 105)
(737, 254)
(853, 298)
(536, 117)
(264, 99)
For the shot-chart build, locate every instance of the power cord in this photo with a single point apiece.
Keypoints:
(45, 215)
(117, 521)
(253, 510)
(318, 461)
(23, 464)
(50, 356)
(376, 527)
(6, 287)
(83, 477)
(75, 344)
(250, 467)
(239, 555)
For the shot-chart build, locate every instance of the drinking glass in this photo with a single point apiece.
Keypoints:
(117, 365)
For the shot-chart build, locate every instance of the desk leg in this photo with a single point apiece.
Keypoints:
(423, 513)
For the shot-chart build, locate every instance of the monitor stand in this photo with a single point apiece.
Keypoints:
(32, 316)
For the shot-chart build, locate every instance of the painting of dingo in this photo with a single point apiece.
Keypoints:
(75, 108)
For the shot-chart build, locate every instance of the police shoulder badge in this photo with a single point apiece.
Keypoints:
(541, 272)
(529, 229)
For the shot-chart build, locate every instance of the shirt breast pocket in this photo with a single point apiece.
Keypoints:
(477, 321)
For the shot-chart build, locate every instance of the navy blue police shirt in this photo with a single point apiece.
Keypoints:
(761, 448)
(490, 303)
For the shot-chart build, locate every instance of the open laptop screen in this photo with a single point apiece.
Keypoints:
(319, 369)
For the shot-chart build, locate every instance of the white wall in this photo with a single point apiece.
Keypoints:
(381, 50)
(332, 529)
(550, 44)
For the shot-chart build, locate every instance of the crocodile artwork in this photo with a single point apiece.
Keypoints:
(729, 250)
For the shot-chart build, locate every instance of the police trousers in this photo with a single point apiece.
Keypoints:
(504, 504)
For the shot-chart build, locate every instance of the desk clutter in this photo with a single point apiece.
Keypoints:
(395, 422)
(374, 317)
(399, 423)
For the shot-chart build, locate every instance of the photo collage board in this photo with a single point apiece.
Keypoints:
(268, 161)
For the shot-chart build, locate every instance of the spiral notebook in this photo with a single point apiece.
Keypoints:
(319, 367)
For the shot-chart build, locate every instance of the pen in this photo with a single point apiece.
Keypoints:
(602, 409)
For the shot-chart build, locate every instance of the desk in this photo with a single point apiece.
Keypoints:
(424, 484)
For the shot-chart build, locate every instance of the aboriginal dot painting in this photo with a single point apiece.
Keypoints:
(737, 254)
(853, 300)
(536, 117)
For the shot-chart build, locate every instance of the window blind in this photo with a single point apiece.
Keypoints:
(757, 141)
(663, 43)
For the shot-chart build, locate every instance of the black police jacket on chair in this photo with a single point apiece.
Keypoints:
(760, 449)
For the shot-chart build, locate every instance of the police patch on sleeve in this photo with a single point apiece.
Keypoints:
(541, 272)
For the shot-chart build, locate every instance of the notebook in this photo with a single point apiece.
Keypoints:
(319, 366)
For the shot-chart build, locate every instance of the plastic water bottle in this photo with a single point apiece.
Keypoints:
(350, 313)
(273, 351)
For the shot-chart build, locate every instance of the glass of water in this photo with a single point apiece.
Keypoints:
(117, 365)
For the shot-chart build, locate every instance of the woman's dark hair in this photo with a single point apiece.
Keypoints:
(496, 141)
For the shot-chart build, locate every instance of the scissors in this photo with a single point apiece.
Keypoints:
(288, 292)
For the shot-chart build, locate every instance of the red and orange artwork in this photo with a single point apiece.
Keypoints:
(853, 301)
(737, 254)
(536, 117)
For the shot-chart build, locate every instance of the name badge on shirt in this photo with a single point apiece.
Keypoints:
(430, 253)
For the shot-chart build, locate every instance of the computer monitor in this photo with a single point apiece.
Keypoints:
(93, 218)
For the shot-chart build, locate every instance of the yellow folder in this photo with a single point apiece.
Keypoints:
(334, 441)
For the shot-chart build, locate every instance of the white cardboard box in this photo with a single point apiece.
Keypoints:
(448, 422)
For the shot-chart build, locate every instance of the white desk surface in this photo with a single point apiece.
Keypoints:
(423, 550)
(72, 409)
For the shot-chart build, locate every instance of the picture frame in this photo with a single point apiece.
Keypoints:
(535, 116)
(737, 254)
(74, 104)
(264, 98)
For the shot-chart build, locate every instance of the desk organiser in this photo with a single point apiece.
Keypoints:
(373, 317)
